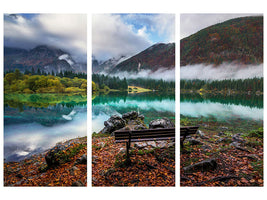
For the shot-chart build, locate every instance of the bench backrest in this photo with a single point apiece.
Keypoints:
(144, 135)
(188, 130)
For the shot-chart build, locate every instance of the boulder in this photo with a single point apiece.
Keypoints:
(81, 160)
(55, 156)
(161, 123)
(194, 141)
(128, 121)
(237, 138)
(114, 123)
(205, 165)
(130, 116)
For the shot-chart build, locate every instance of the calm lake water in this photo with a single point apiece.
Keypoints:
(221, 108)
(151, 105)
(34, 123)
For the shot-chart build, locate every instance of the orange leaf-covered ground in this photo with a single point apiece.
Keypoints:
(154, 167)
(33, 171)
(235, 167)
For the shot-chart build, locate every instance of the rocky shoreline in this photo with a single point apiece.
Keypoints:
(218, 156)
(63, 165)
(133, 121)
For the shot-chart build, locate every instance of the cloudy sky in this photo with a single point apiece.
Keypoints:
(127, 34)
(65, 31)
(191, 23)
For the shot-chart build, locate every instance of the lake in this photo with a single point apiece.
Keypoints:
(152, 105)
(233, 110)
(35, 122)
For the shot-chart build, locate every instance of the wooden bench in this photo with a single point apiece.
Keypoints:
(128, 136)
(185, 131)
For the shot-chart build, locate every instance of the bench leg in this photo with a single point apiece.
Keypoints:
(128, 160)
(182, 141)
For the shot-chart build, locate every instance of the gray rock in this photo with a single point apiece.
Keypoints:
(201, 134)
(206, 147)
(77, 184)
(161, 123)
(224, 128)
(152, 144)
(74, 168)
(94, 159)
(194, 141)
(204, 165)
(162, 144)
(54, 157)
(128, 121)
(221, 134)
(81, 160)
(130, 116)
(237, 138)
(140, 145)
(141, 117)
(235, 144)
(114, 123)
(224, 140)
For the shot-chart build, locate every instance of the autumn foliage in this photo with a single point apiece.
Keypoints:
(236, 166)
(152, 167)
(35, 172)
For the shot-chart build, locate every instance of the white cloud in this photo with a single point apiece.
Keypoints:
(165, 24)
(111, 37)
(65, 31)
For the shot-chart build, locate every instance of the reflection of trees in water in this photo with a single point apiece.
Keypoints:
(238, 99)
(49, 116)
(22, 101)
(115, 97)
(102, 104)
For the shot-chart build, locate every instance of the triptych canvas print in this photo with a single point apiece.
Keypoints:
(137, 129)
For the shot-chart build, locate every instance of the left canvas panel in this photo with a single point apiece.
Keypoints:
(45, 100)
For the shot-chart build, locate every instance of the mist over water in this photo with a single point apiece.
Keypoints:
(25, 139)
(165, 74)
(221, 72)
(220, 111)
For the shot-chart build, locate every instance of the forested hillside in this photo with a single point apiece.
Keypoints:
(239, 40)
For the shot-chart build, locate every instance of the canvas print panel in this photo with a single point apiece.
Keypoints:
(133, 100)
(221, 106)
(45, 100)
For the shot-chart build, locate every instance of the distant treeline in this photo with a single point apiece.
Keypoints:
(100, 81)
(255, 84)
(68, 74)
(153, 84)
(16, 82)
(240, 99)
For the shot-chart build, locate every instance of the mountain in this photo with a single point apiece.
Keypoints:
(158, 56)
(237, 40)
(42, 57)
(106, 66)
